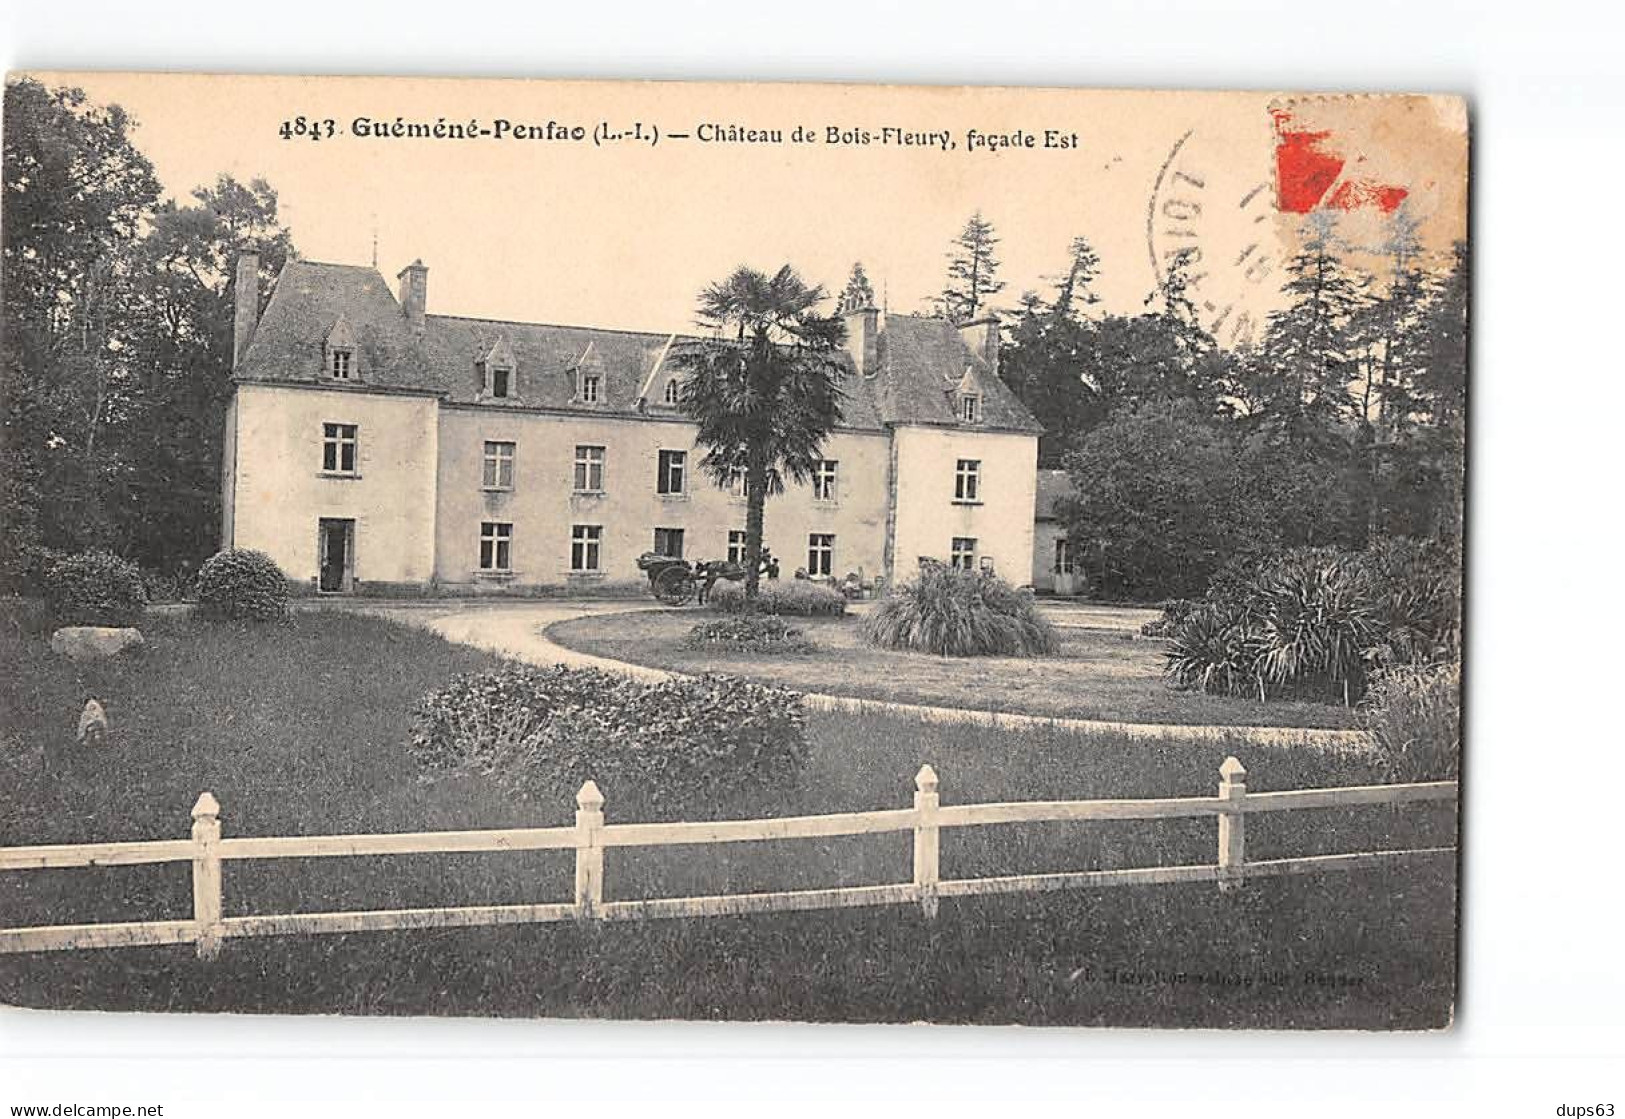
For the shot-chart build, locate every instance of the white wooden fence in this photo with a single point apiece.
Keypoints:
(207, 852)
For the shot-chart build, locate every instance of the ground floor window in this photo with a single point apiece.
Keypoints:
(669, 542)
(736, 546)
(585, 541)
(1063, 557)
(496, 546)
(963, 553)
(820, 553)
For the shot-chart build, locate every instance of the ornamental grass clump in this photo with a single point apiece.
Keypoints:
(666, 748)
(956, 613)
(1413, 713)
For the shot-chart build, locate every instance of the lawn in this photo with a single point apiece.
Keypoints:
(302, 729)
(1097, 674)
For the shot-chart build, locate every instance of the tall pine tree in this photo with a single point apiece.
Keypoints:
(973, 269)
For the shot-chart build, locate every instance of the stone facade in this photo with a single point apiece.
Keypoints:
(371, 445)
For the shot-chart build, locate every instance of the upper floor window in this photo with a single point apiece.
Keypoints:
(496, 546)
(498, 466)
(673, 468)
(738, 484)
(586, 543)
(339, 443)
(963, 553)
(669, 542)
(823, 480)
(591, 384)
(589, 476)
(820, 553)
(970, 408)
(341, 364)
(736, 546)
(674, 392)
(968, 479)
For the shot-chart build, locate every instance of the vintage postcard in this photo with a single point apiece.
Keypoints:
(713, 551)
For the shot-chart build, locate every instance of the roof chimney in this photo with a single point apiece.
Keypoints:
(863, 338)
(981, 337)
(247, 310)
(414, 280)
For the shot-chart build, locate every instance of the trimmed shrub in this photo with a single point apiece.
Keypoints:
(672, 747)
(749, 633)
(795, 596)
(95, 589)
(1414, 716)
(243, 585)
(957, 613)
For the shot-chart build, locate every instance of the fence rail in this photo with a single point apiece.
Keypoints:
(207, 851)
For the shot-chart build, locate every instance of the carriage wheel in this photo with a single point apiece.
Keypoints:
(674, 587)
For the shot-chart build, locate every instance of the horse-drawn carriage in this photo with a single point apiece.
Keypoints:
(674, 580)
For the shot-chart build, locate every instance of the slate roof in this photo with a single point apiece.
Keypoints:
(1054, 486)
(922, 361)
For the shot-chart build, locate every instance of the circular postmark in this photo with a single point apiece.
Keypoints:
(1217, 220)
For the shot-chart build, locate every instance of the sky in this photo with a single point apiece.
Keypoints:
(627, 233)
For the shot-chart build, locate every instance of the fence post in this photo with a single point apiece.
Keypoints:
(1232, 824)
(206, 885)
(589, 850)
(926, 867)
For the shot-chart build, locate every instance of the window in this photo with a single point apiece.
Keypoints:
(669, 542)
(963, 553)
(820, 553)
(589, 469)
(1063, 557)
(496, 546)
(498, 466)
(970, 408)
(738, 486)
(343, 361)
(673, 464)
(736, 546)
(338, 448)
(589, 388)
(500, 382)
(967, 479)
(673, 392)
(823, 480)
(585, 541)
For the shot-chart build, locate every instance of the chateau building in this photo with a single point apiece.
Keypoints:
(373, 446)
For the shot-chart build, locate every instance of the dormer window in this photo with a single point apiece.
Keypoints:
(590, 383)
(589, 375)
(673, 392)
(497, 381)
(970, 408)
(339, 352)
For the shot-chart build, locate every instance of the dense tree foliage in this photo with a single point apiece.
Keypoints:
(1343, 425)
(117, 328)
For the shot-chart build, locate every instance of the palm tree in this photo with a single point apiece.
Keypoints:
(764, 389)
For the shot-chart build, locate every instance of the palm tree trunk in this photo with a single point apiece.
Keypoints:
(755, 508)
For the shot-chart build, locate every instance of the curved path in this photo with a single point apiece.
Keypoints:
(517, 631)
